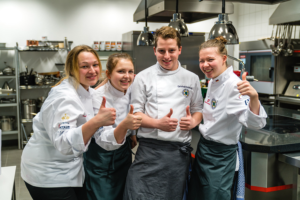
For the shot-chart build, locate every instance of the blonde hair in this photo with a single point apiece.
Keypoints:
(72, 67)
(218, 42)
(167, 32)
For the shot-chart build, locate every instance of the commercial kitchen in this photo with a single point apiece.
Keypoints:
(264, 40)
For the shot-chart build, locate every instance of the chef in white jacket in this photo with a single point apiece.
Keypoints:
(106, 171)
(169, 99)
(229, 104)
(52, 161)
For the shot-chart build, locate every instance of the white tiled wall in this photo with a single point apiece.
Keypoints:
(253, 21)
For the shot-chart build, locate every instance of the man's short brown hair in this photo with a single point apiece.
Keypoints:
(167, 32)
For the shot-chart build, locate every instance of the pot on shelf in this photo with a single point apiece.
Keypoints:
(29, 106)
(7, 123)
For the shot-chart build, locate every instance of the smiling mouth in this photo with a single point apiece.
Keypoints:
(125, 82)
(208, 70)
(91, 77)
(166, 61)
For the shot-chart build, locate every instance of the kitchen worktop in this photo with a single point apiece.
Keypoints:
(280, 135)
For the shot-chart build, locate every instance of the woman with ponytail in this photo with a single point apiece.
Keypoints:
(52, 161)
(230, 103)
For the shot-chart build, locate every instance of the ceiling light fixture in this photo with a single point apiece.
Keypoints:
(178, 24)
(145, 38)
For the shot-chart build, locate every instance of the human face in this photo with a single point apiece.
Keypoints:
(211, 62)
(167, 53)
(88, 69)
(122, 75)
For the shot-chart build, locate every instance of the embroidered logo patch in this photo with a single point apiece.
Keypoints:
(186, 92)
(65, 117)
(213, 104)
(207, 101)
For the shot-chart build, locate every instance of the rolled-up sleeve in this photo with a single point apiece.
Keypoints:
(105, 138)
(197, 99)
(239, 105)
(138, 96)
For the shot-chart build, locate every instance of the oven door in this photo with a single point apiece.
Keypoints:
(260, 64)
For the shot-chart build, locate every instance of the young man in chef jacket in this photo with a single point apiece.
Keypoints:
(169, 99)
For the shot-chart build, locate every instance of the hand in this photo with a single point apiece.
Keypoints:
(133, 141)
(167, 123)
(132, 121)
(245, 88)
(106, 116)
(186, 122)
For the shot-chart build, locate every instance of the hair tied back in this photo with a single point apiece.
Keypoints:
(221, 39)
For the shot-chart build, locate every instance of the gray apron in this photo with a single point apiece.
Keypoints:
(159, 171)
(213, 171)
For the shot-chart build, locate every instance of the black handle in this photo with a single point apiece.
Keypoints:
(271, 69)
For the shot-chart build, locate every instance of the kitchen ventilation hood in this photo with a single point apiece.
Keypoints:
(286, 13)
(191, 10)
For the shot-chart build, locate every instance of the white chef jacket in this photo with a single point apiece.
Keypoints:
(226, 110)
(114, 99)
(53, 155)
(156, 90)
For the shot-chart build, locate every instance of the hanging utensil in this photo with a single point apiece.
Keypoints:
(282, 42)
(276, 41)
(290, 47)
(273, 46)
(272, 38)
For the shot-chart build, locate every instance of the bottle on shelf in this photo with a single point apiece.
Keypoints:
(66, 44)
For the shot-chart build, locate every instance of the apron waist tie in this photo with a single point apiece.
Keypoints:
(167, 145)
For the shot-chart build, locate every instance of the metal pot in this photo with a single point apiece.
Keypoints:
(39, 79)
(8, 71)
(7, 123)
(29, 106)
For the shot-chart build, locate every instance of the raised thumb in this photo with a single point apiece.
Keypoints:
(131, 109)
(244, 76)
(170, 113)
(188, 113)
(103, 103)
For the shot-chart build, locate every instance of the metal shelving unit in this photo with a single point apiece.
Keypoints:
(16, 94)
(24, 135)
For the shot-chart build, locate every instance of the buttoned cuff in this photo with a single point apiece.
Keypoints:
(106, 139)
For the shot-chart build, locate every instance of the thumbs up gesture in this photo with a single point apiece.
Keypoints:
(245, 88)
(167, 123)
(186, 122)
(132, 121)
(106, 116)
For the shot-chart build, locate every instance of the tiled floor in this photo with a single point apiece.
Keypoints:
(11, 156)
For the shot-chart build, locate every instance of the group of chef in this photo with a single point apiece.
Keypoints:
(82, 141)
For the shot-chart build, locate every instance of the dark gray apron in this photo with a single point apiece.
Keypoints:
(159, 171)
(106, 171)
(213, 171)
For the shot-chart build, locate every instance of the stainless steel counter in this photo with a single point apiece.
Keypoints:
(281, 133)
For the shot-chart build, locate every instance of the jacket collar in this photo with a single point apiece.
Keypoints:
(222, 78)
(113, 90)
(164, 72)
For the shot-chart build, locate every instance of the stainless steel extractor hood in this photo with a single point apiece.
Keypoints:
(255, 1)
(287, 13)
(191, 10)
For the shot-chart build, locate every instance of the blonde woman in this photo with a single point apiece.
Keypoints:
(52, 161)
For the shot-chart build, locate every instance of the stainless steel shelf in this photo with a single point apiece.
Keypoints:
(8, 104)
(29, 87)
(26, 120)
(3, 76)
(293, 100)
(7, 48)
(7, 94)
(38, 50)
(9, 132)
